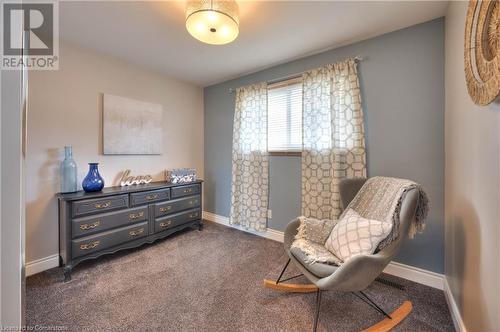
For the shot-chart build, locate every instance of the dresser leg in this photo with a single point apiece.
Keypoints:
(67, 273)
(200, 225)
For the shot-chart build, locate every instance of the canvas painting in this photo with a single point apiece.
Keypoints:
(131, 126)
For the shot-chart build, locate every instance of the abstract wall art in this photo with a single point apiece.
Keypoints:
(131, 126)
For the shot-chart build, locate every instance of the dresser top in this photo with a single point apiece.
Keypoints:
(109, 191)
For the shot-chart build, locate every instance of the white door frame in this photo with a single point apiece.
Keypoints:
(13, 93)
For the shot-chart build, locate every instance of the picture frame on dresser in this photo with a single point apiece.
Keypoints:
(118, 218)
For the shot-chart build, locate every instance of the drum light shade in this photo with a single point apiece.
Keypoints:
(213, 21)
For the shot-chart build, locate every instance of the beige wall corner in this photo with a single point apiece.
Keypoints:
(472, 189)
(65, 108)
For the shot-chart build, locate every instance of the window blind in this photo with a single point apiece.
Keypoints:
(284, 124)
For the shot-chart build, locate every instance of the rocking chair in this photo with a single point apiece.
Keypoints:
(356, 273)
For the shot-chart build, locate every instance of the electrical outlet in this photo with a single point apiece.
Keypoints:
(269, 214)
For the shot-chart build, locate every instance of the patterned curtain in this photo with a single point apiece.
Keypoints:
(333, 136)
(250, 179)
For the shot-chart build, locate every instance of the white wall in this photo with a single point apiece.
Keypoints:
(472, 194)
(65, 108)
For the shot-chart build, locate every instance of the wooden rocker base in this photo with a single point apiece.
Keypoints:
(397, 315)
(288, 287)
(384, 325)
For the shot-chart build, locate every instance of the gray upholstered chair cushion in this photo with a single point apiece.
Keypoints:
(348, 189)
(319, 269)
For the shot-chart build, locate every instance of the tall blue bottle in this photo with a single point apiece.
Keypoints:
(68, 172)
(93, 181)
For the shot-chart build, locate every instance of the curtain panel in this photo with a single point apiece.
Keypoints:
(333, 136)
(250, 159)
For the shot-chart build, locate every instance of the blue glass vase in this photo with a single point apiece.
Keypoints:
(68, 172)
(93, 181)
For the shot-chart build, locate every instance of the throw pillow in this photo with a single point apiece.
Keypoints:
(354, 235)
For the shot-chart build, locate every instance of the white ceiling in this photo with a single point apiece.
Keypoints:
(153, 35)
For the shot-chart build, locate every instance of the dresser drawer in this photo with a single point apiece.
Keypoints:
(101, 222)
(80, 208)
(176, 205)
(182, 191)
(149, 196)
(108, 239)
(164, 223)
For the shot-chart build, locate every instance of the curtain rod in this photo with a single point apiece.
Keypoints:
(357, 58)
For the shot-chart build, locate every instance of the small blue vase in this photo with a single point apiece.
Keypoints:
(68, 172)
(93, 181)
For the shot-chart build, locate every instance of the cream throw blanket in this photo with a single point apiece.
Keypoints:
(380, 199)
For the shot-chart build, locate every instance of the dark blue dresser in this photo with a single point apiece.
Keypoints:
(116, 218)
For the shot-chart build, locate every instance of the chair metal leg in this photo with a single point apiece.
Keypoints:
(318, 304)
(374, 305)
(283, 271)
(287, 279)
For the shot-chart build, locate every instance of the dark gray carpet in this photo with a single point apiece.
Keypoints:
(209, 281)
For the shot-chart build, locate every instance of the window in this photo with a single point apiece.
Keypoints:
(284, 123)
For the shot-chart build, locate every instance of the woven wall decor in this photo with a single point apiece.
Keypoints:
(482, 51)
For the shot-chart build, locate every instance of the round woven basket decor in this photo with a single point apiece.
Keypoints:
(482, 51)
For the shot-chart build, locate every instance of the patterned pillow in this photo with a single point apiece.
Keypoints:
(314, 230)
(355, 235)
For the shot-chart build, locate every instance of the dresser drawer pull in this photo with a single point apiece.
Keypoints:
(193, 215)
(136, 232)
(150, 197)
(165, 224)
(93, 225)
(91, 245)
(102, 205)
(133, 216)
(188, 190)
(166, 208)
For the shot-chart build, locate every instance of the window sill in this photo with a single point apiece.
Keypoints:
(285, 153)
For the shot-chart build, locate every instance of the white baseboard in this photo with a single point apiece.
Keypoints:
(421, 276)
(42, 264)
(455, 312)
(52, 261)
(412, 273)
(268, 234)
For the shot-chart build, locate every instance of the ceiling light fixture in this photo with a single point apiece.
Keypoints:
(213, 21)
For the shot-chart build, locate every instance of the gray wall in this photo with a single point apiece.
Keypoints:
(402, 82)
(284, 190)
